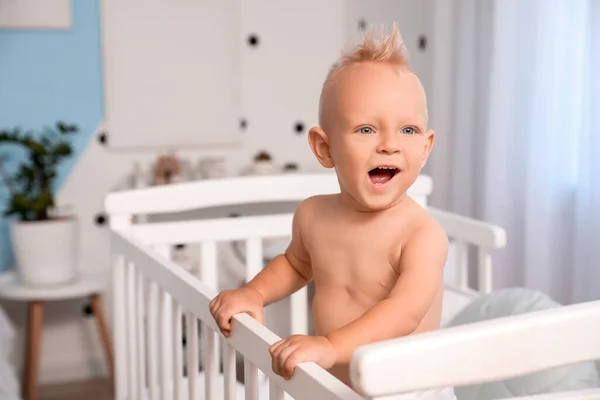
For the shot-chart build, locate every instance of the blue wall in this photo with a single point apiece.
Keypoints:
(47, 76)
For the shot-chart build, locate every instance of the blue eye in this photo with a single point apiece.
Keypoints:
(366, 130)
(408, 130)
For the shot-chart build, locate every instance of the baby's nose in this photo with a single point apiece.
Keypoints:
(389, 144)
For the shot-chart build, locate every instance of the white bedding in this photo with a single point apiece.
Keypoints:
(9, 384)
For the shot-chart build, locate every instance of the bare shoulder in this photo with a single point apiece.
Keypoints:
(424, 229)
(425, 244)
(311, 208)
(306, 214)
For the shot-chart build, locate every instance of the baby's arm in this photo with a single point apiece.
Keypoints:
(288, 272)
(421, 267)
(281, 277)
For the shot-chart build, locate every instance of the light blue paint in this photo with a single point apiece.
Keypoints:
(47, 76)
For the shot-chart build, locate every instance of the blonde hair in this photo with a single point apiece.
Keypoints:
(389, 49)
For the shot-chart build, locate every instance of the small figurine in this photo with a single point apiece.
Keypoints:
(167, 170)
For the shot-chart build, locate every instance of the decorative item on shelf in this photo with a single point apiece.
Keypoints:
(44, 242)
(263, 164)
(167, 170)
(212, 168)
(290, 167)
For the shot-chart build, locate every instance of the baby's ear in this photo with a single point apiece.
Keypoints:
(319, 143)
(429, 141)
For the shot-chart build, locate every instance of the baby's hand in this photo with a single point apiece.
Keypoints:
(231, 302)
(299, 348)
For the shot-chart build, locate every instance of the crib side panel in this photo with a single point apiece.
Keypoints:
(481, 352)
(191, 297)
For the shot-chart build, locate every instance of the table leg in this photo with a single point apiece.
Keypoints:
(33, 344)
(103, 331)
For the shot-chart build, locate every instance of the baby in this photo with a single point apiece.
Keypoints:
(375, 255)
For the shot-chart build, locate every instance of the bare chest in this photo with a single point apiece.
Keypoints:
(360, 259)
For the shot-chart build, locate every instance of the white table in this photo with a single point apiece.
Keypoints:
(90, 285)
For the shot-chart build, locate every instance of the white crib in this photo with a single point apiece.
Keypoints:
(152, 295)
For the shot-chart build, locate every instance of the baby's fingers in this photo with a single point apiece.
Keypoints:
(223, 319)
(214, 304)
(284, 363)
(275, 351)
(289, 367)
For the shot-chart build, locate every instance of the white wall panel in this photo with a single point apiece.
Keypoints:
(282, 75)
(35, 14)
(171, 72)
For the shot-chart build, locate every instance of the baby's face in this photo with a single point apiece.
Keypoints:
(376, 128)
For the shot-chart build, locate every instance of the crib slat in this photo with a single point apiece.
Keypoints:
(299, 312)
(120, 327)
(141, 334)
(164, 331)
(254, 264)
(208, 264)
(209, 362)
(462, 270)
(177, 351)
(153, 340)
(164, 343)
(485, 270)
(254, 258)
(250, 380)
(191, 353)
(229, 371)
(275, 392)
(131, 329)
(210, 348)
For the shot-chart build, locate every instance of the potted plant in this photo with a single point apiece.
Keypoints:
(44, 243)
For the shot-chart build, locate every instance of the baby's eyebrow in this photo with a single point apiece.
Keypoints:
(413, 120)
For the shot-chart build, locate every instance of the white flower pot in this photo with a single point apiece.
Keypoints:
(265, 168)
(46, 252)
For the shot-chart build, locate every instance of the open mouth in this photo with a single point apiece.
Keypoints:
(383, 174)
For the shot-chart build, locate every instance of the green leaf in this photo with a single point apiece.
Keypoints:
(61, 149)
(43, 202)
(21, 204)
(26, 176)
(66, 129)
(36, 147)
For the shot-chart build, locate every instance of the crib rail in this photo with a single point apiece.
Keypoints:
(462, 232)
(235, 191)
(584, 394)
(215, 229)
(177, 294)
(482, 352)
(218, 192)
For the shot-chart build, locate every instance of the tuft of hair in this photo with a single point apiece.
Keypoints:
(374, 46)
